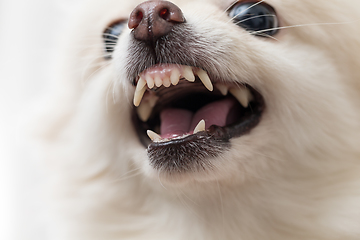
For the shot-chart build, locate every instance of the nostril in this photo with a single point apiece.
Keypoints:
(139, 16)
(135, 19)
(165, 14)
(153, 19)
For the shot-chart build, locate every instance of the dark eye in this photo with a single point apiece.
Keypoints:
(111, 35)
(259, 18)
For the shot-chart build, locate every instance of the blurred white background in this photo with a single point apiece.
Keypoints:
(28, 33)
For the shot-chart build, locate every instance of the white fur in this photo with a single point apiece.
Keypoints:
(295, 176)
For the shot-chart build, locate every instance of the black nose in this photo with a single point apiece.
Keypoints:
(153, 19)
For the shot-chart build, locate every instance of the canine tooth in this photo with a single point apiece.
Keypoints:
(138, 95)
(158, 81)
(204, 77)
(222, 88)
(200, 126)
(175, 76)
(149, 81)
(144, 110)
(152, 100)
(153, 136)
(188, 74)
(242, 94)
(167, 82)
(140, 85)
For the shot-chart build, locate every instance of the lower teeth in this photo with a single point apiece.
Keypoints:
(200, 127)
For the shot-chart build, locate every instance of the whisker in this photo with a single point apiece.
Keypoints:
(231, 5)
(114, 87)
(113, 91)
(93, 45)
(268, 36)
(82, 72)
(300, 25)
(102, 66)
(161, 182)
(110, 28)
(188, 197)
(227, 9)
(111, 40)
(107, 99)
(110, 35)
(126, 175)
(249, 18)
(107, 55)
(221, 209)
(183, 201)
(255, 4)
(110, 44)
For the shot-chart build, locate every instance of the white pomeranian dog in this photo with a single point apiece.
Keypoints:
(208, 120)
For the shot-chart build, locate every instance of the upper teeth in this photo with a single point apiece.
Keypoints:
(242, 94)
(145, 108)
(222, 88)
(139, 92)
(204, 77)
(170, 75)
(175, 76)
(188, 73)
(165, 76)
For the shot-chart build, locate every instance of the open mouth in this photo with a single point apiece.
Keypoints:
(184, 118)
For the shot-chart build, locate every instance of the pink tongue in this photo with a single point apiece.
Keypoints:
(176, 122)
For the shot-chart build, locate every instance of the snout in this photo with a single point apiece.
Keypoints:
(153, 19)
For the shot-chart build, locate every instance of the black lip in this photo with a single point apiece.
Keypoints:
(194, 152)
(189, 154)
